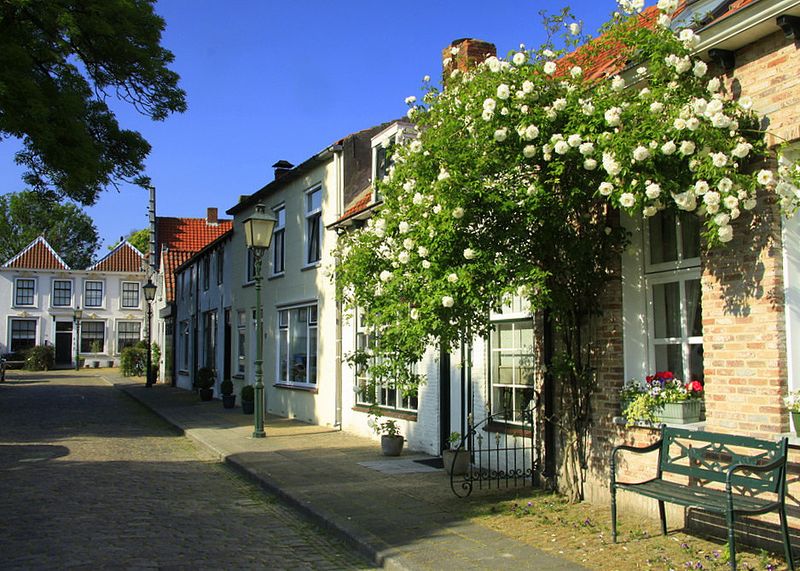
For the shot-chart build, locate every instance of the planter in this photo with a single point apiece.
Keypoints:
(456, 462)
(110, 363)
(248, 406)
(391, 445)
(206, 394)
(96, 364)
(683, 412)
(228, 401)
(796, 422)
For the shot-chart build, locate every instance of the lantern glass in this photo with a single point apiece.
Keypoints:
(258, 229)
(149, 290)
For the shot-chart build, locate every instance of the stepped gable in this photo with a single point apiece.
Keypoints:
(124, 258)
(38, 255)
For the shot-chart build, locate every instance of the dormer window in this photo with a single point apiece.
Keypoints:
(384, 145)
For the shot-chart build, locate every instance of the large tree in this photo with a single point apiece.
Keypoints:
(139, 239)
(60, 62)
(26, 215)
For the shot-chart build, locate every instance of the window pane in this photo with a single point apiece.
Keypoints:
(23, 334)
(314, 200)
(313, 233)
(666, 310)
(694, 308)
(298, 346)
(312, 355)
(93, 296)
(62, 293)
(25, 292)
(128, 334)
(92, 336)
(130, 294)
(690, 235)
(669, 358)
(278, 252)
(663, 238)
(696, 363)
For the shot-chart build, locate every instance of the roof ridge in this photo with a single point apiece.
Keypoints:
(114, 251)
(39, 239)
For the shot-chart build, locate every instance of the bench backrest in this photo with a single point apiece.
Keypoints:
(707, 456)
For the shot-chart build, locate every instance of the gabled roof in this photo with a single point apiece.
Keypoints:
(358, 208)
(38, 255)
(208, 248)
(124, 258)
(188, 234)
(171, 260)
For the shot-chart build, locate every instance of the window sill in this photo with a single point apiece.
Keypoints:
(622, 421)
(184, 373)
(249, 284)
(508, 428)
(276, 276)
(311, 266)
(306, 388)
(238, 376)
(388, 412)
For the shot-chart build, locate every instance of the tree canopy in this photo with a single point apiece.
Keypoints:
(139, 239)
(60, 63)
(70, 231)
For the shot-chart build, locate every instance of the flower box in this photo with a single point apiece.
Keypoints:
(682, 412)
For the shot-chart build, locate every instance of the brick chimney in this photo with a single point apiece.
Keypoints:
(281, 168)
(471, 52)
(212, 215)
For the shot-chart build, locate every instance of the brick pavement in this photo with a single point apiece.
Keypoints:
(92, 480)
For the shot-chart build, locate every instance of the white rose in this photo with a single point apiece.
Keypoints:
(443, 174)
(586, 148)
(679, 124)
(503, 91)
(529, 151)
(493, 63)
(550, 67)
(447, 301)
(469, 254)
(605, 188)
(730, 202)
(561, 147)
(713, 106)
(403, 257)
(576, 72)
(531, 132)
(741, 150)
(610, 164)
(426, 264)
(487, 115)
(489, 104)
(501, 134)
(721, 219)
(415, 146)
(765, 177)
(458, 212)
(627, 200)
(656, 107)
(590, 164)
(746, 103)
(711, 198)
(749, 203)
(527, 86)
(668, 6)
(689, 38)
(617, 83)
(414, 313)
(410, 99)
(574, 140)
(649, 211)
(408, 244)
(422, 251)
(719, 160)
(713, 85)
(641, 153)
(519, 58)
(560, 104)
(692, 123)
(687, 148)
(452, 278)
(725, 233)
(664, 21)
(418, 198)
(669, 147)
(653, 190)
(403, 227)
(700, 68)
(685, 200)
(701, 187)
(612, 116)
(574, 28)
(386, 275)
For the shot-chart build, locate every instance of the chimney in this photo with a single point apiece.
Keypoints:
(211, 215)
(281, 168)
(470, 53)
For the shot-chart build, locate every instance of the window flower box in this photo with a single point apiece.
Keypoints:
(662, 398)
(683, 412)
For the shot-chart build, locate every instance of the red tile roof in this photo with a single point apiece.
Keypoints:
(360, 204)
(187, 234)
(170, 260)
(38, 255)
(123, 258)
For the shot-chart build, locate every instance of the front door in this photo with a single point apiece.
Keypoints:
(63, 342)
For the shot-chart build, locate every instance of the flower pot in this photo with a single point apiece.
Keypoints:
(796, 422)
(456, 462)
(228, 401)
(391, 445)
(682, 412)
(248, 406)
(206, 394)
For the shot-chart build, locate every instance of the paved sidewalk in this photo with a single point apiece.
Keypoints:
(398, 519)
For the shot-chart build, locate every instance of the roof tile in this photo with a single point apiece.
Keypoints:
(123, 258)
(38, 255)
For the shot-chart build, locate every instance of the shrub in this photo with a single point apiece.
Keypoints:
(248, 393)
(133, 361)
(40, 358)
(205, 378)
(226, 387)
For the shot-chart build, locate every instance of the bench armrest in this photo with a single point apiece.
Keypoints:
(775, 464)
(635, 449)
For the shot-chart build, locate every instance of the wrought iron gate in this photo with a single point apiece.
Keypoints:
(501, 454)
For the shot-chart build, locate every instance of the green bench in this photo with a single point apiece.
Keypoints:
(748, 467)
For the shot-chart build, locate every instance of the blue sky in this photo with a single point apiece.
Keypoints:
(269, 80)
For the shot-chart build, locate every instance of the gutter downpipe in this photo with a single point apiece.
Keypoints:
(338, 163)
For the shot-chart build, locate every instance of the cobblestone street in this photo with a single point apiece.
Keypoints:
(91, 479)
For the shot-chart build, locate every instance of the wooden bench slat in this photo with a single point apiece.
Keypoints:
(699, 497)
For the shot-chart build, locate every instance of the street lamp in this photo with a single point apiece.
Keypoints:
(76, 315)
(258, 236)
(149, 290)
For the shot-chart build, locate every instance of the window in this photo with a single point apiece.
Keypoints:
(370, 393)
(128, 334)
(130, 294)
(672, 277)
(251, 265)
(241, 353)
(93, 294)
(62, 293)
(278, 251)
(220, 265)
(313, 225)
(26, 292)
(184, 336)
(297, 345)
(93, 334)
(512, 367)
(210, 338)
(383, 160)
(23, 334)
(206, 271)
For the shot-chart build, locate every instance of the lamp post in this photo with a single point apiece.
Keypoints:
(76, 315)
(149, 290)
(258, 236)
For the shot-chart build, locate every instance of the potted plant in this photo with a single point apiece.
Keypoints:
(204, 382)
(391, 439)
(228, 398)
(96, 348)
(248, 399)
(455, 459)
(792, 401)
(662, 398)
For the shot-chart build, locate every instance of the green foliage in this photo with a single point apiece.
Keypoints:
(96, 346)
(454, 438)
(206, 376)
(24, 216)
(226, 387)
(644, 407)
(133, 360)
(384, 428)
(59, 63)
(40, 358)
(139, 239)
(248, 393)
(155, 354)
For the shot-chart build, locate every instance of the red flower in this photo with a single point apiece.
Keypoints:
(665, 375)
(695, 387)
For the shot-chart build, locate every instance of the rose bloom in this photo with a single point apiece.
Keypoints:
(749, 203)
(403, 227)
(605, 188)
(679, 124)
(590, 164)
(550, 67)
(418, 198)
(560, 104)
(414, 314)
(574, 140)
(764, 177)
(447, 301)
(641, 153)
(422, 251)
(458, 212)
(386, 275)
(612, 116)
(520, 58)
(487, 115)
(529, 151)
(586, 148)
(415, 146)
(741, 150)
(452, 278)
(531, 132)
(725, 184)
(656, 107)
(503, 91)
(711, 198)
(719, 160)
(668, 148)
(653, 190)
(685, 200)
(700, 68)
(617, 83)
(561, 147)
(469, 254)
(713, 85)
(576, 72)
(627, 200)
(574, 28)
(725, 233)
(426, 264)
(610, 164)
(687, 147)
(489, 104)
(746, 103)
(721, 219)
(649, 211)
(500, 135)
(403, 257)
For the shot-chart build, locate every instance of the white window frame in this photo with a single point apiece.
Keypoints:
(309, 326)
(34, 295)
(102, 293)
(249, 266)
(279, 241)
(516, 312)
(11, 330)
(53, 293)
(83, 330)
(119, 330)
(312, 214)
(184, 341)
(138, 288)
(241, 343)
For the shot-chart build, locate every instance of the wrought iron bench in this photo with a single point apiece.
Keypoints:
(707, 457)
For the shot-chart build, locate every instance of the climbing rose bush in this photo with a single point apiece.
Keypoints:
(511, 185)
